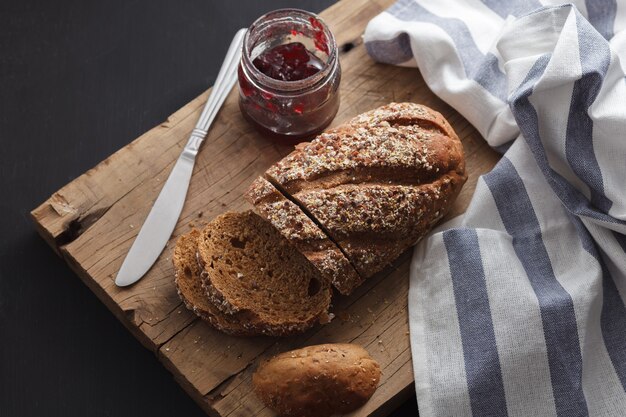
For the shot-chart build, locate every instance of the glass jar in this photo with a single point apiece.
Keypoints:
(289, 111)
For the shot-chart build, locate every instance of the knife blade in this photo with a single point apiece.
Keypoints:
(161, 221)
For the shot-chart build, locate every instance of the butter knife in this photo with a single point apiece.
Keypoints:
(160, 223)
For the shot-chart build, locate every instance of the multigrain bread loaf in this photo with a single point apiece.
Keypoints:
(378, 183)
(250, 268)
(336, 210)
(317, 381)
(289, 219)
(189, 287)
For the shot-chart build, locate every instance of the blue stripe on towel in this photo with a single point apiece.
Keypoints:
(393, 51)
(555, 304)
(482, 363)
(613, 324)
(482, 68)
(595, 58)
(527, 120)
(601, 14)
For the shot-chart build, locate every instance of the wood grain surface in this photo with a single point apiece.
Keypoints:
(92, 221)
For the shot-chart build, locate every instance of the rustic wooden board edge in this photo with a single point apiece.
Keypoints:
(42, 230)
(79, 222)
(73, 221)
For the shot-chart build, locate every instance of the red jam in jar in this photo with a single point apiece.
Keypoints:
(289, 75)
(288, 62)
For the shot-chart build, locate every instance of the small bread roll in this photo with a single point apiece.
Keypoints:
(317, 381)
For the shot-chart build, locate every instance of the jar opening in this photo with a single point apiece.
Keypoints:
(285, 26)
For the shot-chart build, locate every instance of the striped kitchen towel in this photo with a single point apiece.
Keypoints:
(518, 307)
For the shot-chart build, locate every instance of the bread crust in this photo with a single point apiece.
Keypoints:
(289, 219)
(317, 381)
(378, 183)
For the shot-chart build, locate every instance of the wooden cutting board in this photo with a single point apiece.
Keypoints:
(92, 221)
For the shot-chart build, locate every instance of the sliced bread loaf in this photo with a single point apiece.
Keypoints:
(190, 290)
(378, 183)
(289, 219)
(252, 269)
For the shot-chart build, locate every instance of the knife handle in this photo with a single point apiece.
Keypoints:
(223, 84)
(193, 144)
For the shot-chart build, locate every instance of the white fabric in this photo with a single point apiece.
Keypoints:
(517, 308)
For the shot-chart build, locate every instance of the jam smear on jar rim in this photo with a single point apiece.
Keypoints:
(321, 42)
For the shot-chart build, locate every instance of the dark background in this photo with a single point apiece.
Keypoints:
(78, 81)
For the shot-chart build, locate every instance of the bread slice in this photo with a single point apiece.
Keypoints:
(252, 269)
(289, 219)
(378, 183)
(190, 290)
